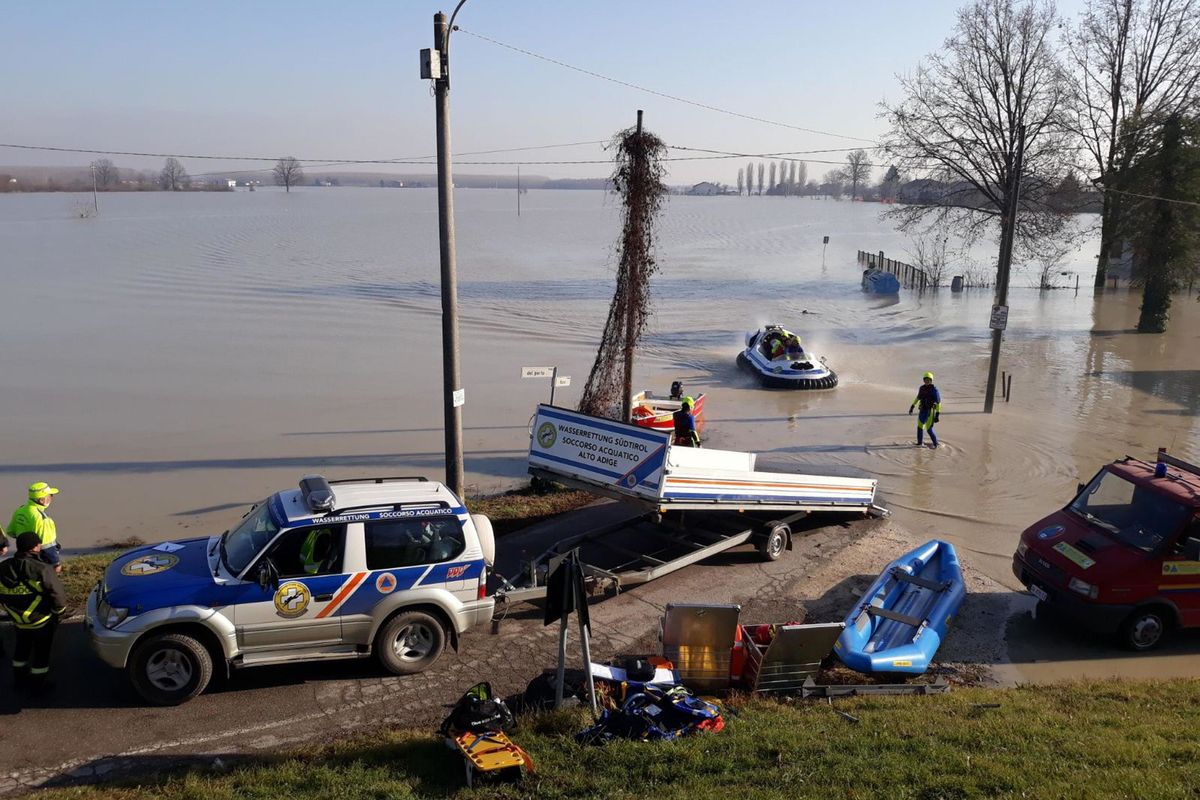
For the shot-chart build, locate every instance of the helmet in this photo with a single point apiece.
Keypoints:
(688, 402)
(927, 375)
(41, 489)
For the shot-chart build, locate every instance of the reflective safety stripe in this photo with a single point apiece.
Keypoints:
(38, 670)
(20, 664)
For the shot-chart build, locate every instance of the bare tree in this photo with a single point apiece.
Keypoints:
(749, 178)
(771, 179)
(834, 183)
(288, 173)
(106, 173)
(173, 176)
(760, 177)
(962, 114)
(792, 178)
(935, 248)
(741, 180)
(801, 174)
(1047, 263)
(858, 170)
(1135, 63)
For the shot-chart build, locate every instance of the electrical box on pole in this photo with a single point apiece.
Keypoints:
(431, 64)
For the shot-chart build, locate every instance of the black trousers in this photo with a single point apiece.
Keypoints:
(32, 651)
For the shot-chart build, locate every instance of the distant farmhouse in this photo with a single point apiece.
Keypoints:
(705, 189)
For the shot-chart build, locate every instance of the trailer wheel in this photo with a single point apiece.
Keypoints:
(1145, 628)
(772, 545)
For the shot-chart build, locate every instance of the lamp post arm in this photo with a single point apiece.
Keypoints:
(446, 45)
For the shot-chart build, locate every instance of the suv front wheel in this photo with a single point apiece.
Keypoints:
(410, 642)
(170, 668)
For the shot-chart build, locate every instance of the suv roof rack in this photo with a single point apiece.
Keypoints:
(382, 480)
(438, 504)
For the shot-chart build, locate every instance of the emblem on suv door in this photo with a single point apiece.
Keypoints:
(291, 600)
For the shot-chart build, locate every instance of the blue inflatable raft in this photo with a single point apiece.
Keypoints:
(900, 622)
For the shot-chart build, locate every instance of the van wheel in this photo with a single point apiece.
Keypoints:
(771, 547)
(1144, 629)
(170, 669)
(410, 642)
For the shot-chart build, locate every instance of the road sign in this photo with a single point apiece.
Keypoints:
(565, 380)
(999, 318)
(460, 397)
(537, 372)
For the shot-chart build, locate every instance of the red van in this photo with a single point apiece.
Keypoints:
(1124, 556)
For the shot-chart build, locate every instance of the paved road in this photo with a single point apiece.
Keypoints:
(94, 725)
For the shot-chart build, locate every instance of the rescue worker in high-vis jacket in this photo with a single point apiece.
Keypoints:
(34, 597)
(685, 424)
(33, 517)
(315, 550)
(930, 401)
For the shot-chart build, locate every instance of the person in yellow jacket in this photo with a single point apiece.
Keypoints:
(33, 517)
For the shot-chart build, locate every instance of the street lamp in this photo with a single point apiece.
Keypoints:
(435, 66)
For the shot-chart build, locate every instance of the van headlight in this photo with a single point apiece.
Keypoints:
(1084, 588)
(110, 616)
(1022, 549)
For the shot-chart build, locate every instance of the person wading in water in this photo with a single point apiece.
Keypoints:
(930, 401)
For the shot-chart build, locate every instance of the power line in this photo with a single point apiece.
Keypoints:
(1150, 197)
(657, 93)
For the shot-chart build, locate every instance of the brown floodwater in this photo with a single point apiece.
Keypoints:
(182, 356)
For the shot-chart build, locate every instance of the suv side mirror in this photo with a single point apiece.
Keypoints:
(267, 576)
(1079, 489)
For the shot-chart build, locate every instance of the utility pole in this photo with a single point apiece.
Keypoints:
(95, 197)
(453, 394)
(519, 200)
(631, 284)
(1006, 249)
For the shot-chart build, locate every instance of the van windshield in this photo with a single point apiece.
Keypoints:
(1134, 515)
(245, 541)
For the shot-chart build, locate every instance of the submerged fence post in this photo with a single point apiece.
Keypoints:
(1008, 390)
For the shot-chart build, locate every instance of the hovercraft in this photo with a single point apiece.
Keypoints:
(774, 354)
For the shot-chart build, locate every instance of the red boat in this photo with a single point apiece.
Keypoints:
(657, 412)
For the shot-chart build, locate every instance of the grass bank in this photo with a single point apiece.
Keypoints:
(509, 512)
(1111, 739)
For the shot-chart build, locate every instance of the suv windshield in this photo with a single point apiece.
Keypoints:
(1132, 514)
(244, 542)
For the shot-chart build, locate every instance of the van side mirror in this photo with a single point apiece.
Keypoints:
(1079, 488)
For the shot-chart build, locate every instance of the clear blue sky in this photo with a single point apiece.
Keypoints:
(340, 79)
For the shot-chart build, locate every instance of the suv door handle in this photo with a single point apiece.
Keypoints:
(323, 597)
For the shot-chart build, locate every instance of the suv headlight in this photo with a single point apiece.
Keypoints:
(1022, 549)
(109, 616)
(1083, 587)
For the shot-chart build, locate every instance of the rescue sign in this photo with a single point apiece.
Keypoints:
(599, 450)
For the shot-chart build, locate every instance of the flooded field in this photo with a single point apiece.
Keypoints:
(182, 356)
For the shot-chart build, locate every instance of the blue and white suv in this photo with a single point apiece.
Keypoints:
(391, 567)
